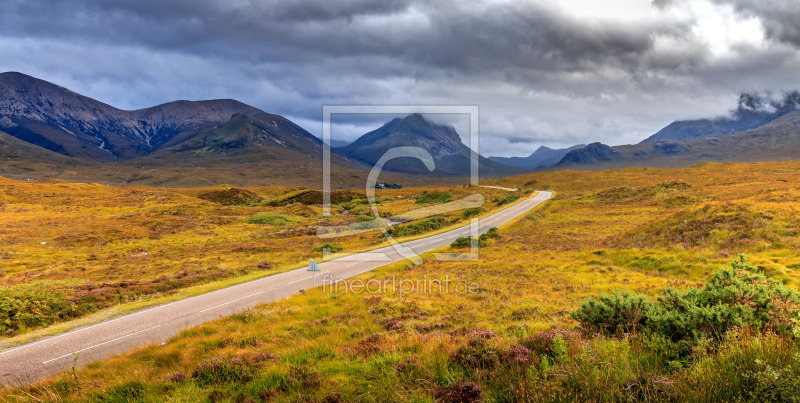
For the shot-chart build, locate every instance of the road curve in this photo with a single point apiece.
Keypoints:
(52, 355)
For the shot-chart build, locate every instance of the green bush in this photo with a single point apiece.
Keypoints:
(508, 199)
(617, 313)
(417, 228)
(490, 234)
(471, 212)
(738, 296)
(435, 196)
(269, 219)
(466, 242)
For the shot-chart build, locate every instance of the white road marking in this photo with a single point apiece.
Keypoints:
(99, 344)
(230, 302)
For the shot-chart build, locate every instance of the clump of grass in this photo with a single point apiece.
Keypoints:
(269, 219)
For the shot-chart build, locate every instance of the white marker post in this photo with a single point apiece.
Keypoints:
(313, 267)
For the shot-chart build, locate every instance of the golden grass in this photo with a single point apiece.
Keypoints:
(602, 231)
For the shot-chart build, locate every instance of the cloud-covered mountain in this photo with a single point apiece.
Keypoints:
(720, 140)
(752, 111)
(450, 154)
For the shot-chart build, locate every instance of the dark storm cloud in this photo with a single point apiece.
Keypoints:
(447, 35)
(541, 73)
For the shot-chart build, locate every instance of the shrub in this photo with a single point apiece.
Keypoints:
(471, 212)
(466, 242)
(435, 196)
(332, 248)
(431, 224)
(738, 296)
(269, 219)
(508, 199)
(490, 234)
(617, 313)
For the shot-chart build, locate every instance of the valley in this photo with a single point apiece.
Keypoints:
(638, 229)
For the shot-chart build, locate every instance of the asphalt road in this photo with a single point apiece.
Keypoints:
(52, 355)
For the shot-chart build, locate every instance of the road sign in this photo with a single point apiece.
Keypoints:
(313, 267)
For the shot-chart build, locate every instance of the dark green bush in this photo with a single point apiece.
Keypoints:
(417, 228)
(466, 242)
(331, 246)
(471, 212)
(617, 313)
(508, 199)
(490, 234)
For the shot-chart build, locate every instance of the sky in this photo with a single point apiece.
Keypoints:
(552, 73)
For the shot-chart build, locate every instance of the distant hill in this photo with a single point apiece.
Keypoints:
(751, 112)
(451, 156)
(541, 157)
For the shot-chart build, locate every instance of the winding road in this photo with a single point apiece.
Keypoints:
(52, 355)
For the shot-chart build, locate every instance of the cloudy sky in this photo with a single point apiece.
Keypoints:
(550, 73)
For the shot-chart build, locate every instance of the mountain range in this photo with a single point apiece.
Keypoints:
(47, 131)
(543, 156)
(757, 130)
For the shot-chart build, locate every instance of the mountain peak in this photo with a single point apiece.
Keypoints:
(451, 155)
